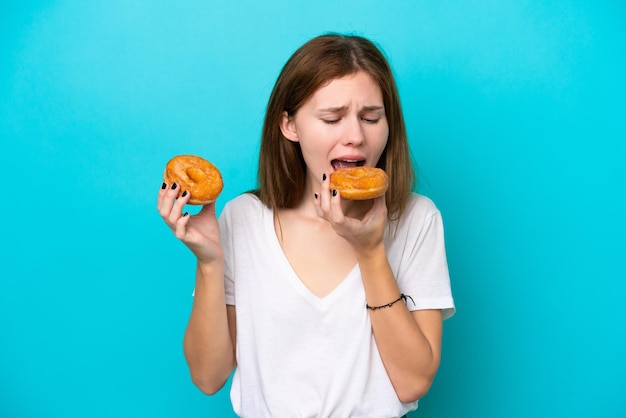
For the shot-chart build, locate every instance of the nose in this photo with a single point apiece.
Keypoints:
(354, 134)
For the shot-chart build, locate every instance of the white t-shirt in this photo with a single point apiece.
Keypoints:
(299, 355)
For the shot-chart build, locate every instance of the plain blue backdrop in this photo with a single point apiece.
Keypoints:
(515, 112)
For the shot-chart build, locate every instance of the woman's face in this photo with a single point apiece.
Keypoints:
(342, 124)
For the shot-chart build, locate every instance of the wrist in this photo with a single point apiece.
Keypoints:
(375, 254)
(211, 268)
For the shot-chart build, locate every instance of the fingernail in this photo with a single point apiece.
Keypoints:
(334, 192)
(315, 195)
(163, 186)
(323, 176)
(173, 186)
(186, 213)
(184, 193)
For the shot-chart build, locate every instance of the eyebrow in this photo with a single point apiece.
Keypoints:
(343, 108)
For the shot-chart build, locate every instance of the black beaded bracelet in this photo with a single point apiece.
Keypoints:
(402, 297)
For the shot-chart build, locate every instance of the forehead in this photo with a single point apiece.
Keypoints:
(359, 87)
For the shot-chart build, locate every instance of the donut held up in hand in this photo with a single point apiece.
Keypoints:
(201, 179)
(359, 183)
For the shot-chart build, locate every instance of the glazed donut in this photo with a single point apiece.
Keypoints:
(359, 183)
(196, 175)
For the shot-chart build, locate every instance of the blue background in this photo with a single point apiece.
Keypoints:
(516, 116)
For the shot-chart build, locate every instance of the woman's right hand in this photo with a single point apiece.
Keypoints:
(200, 232)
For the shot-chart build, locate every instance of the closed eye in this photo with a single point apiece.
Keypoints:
(372, 114)
(371, 120)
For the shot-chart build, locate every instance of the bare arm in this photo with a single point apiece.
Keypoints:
(409, 342)
(210, 335)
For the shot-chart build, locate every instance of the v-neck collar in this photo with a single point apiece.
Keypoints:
(294, 279)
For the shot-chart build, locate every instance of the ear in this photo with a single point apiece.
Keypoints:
(288, 127)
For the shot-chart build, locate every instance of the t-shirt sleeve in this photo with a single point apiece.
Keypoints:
(423, 273)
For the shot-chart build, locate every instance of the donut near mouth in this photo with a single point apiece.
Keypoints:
(201, 179)
(359, 183)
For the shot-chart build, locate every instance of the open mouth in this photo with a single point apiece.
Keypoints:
(337, 164)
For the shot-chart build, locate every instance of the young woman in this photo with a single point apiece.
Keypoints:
(324, 307)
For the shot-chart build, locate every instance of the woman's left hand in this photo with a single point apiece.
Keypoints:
(365, 233)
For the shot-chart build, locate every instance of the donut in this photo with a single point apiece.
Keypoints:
(359, 183)
(196, 175)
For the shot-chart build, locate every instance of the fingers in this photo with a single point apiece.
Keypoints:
(378, 210)
(328, 202)
(180, 229)
(321, 198)
(161, 196)
(170, 205)
(331, 207)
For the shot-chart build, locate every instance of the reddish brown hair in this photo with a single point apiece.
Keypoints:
(282, 170)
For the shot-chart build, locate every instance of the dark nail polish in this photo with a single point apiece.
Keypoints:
(184, 193)
(323, 176)
(315, 196)
(173, 186)
(163, 186)
(186, 213)
(334, 192)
